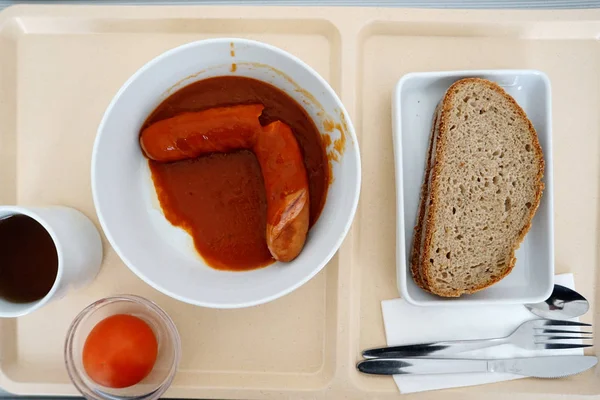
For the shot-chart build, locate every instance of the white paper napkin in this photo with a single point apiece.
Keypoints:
(408, 324)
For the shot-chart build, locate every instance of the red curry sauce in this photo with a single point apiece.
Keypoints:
(219, 199)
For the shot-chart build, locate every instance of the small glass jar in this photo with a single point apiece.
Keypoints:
(169, 348)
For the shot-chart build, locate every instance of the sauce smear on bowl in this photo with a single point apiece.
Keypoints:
(219, 199)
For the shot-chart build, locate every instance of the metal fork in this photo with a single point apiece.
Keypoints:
(538, 334)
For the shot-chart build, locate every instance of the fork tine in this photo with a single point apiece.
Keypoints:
(542, 337)
(555, 322)
(560, 346)
(561, 331)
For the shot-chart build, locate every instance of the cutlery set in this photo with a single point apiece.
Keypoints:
(538, 334)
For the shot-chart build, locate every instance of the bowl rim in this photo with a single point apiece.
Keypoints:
(350, 131)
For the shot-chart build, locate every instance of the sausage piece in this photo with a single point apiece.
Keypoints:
(286, 184)
(189, 135)
(225, 129)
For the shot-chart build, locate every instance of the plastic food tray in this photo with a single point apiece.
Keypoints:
(61, 65)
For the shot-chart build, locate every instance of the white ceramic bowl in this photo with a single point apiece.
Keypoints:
(164, 256)
(415, 98)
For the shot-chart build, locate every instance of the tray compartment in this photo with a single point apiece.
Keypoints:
(390, 50)
(65, 72)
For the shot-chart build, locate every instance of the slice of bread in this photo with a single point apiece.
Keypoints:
(482, 187)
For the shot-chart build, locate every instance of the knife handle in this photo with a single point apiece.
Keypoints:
(433, 348)
(418, 366)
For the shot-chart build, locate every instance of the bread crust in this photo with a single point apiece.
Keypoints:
(415, 267)
(428, 227)
(416, 260)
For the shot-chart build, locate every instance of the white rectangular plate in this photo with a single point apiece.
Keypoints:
(414, 102)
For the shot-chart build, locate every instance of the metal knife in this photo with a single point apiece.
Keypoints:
(538, 367)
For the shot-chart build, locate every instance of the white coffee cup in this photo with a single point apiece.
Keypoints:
(78, 246)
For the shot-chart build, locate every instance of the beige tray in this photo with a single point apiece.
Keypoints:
(61, 65)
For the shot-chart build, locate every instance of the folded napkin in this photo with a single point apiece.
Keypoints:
(408, 324)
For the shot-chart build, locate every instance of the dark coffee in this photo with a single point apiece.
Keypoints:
(28, 259)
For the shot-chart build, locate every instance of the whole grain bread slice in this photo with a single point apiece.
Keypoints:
(482, 192)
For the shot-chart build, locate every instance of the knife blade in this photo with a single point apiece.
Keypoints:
(538, 367)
